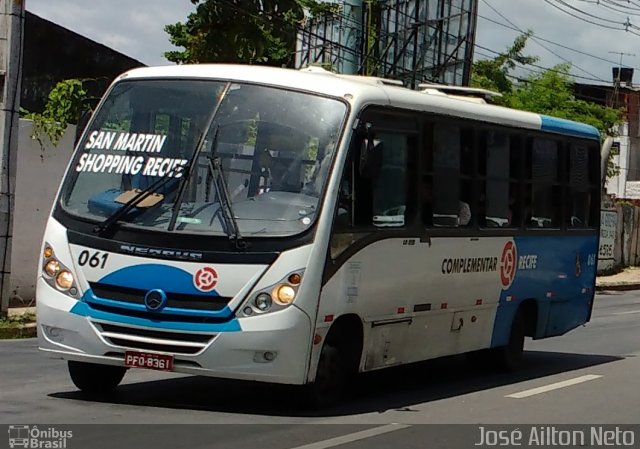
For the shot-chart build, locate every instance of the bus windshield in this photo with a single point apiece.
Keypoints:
(184, 142)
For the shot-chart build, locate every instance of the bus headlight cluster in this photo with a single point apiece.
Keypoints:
(274, 298)
(56, 274)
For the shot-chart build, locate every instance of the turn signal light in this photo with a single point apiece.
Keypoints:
(295, 279)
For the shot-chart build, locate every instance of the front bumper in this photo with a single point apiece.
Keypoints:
(70, 329)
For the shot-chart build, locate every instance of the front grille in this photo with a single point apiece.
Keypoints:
(174, 300)
(159, 316)
(153, 340)
(174, 349)
(183, 336)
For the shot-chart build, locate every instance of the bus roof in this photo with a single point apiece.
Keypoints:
(446, 100)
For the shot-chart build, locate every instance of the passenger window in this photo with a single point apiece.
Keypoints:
(579, 187)
(500, 194)
(542, 200)
(447, 190)
(377, 198)
(390, 186)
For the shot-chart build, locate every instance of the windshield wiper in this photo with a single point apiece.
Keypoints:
(224, 198)
(112, 219)
(194, 157)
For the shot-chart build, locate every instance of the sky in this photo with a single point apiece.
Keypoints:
(588, 33)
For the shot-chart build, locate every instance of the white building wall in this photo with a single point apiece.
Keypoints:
(38, 175)
(617, 185)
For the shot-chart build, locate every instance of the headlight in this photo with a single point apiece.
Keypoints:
(64, 280)
(52, 267)
(273, 298)
(56, 274)
(263, 302)
(284, 294)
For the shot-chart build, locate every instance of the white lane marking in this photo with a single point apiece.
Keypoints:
(626, 313)
(555, 386)
(351, 437)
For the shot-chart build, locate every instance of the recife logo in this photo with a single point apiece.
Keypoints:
(205, 279)
(508, 264)
(511, 263)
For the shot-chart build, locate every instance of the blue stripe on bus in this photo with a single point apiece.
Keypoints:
(568, 127)
(83, 309)
(558, 273)
(149, 276)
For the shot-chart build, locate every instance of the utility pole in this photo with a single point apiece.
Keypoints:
(12, 14)
(621, 53)
(616, 82)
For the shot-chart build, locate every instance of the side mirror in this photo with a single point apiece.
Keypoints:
(370, 157)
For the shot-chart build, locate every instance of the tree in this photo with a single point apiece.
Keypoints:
(238, 31)
(551, 92)
(493, 74)
(547, 92)
(64, 105)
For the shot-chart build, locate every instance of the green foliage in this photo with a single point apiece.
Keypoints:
(319, 9)
(239, 31)
(64, 105)
(549, 92)
(371, 59)
(493, 74)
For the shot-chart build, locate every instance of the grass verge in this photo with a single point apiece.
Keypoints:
(21, 326)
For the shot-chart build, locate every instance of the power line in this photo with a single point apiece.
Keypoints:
(583, 19)
(542, 67)
(536, 41)
(562, 2)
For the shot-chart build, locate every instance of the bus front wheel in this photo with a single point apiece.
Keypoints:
(95, 379)
(330, 384)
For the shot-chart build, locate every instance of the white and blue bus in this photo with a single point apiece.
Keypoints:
(300, 227)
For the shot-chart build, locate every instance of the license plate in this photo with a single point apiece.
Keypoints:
(162, 362)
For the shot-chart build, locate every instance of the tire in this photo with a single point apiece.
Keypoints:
(509, 357)
(330, 385)
(95, 379)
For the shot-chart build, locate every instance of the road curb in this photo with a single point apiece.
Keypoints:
(27, 330)
(618, 287)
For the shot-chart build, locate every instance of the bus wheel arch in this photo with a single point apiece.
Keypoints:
(339, 361)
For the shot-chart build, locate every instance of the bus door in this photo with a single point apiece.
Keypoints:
(375, 247)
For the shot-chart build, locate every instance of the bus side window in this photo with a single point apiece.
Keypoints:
(390, 186)
(446, 192)
(579, 187)
(370, 201)
(543, 193)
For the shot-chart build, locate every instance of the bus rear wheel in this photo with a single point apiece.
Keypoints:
(509, 357)
(95, 379)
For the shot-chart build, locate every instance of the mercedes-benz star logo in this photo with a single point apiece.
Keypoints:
(155, 300)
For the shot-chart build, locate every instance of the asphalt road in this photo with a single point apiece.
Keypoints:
(587, 377)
